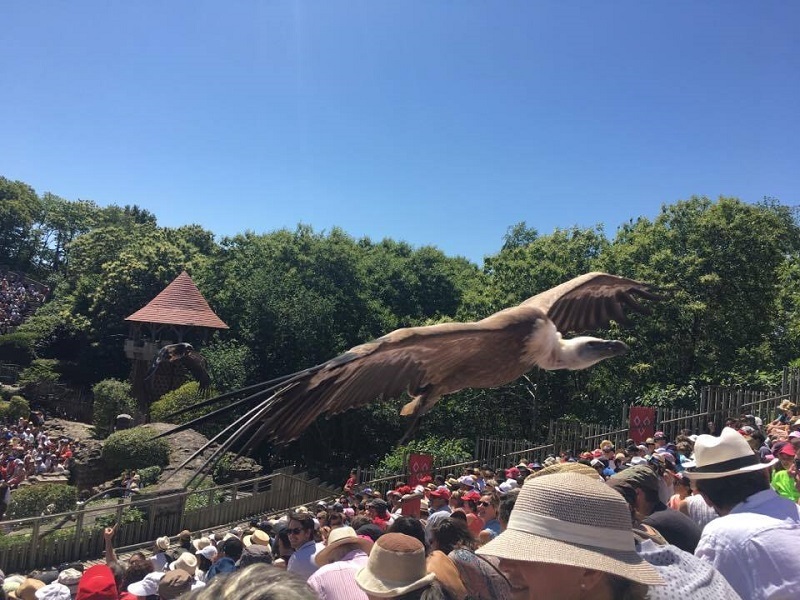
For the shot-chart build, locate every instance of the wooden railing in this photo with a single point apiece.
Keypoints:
(44, 541)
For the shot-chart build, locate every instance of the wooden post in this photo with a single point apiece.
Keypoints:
(80, 508)
(32, 558)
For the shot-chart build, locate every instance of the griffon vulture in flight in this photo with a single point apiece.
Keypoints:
(187, 356)
(430, 362)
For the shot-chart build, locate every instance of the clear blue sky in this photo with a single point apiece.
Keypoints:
(437, 123)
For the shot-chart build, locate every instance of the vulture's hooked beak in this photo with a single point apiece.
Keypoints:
(607, 348)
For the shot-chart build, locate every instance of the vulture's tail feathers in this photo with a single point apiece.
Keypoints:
(243, 424)
(264, 386)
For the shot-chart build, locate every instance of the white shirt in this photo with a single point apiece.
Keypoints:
(757, 547)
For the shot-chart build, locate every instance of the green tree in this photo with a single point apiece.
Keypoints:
(111, 398)
(20, 210)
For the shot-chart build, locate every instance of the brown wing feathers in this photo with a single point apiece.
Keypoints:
(409, 359)
(592, 300)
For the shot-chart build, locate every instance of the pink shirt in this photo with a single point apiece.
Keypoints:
(337, 580)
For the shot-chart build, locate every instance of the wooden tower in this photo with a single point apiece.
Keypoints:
(178, 314)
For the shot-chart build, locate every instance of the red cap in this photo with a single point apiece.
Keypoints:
(597, 453)
(441, 493)
(786, 450)
(97, 583)
(425, 479)
(473, 495)
(512, 473)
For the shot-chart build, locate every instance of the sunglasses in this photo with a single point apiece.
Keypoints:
(295, 531)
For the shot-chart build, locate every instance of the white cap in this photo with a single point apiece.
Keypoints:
(208, 552)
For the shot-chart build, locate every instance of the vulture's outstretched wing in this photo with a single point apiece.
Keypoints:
(407, 360)
(590, 301)
(428, 362)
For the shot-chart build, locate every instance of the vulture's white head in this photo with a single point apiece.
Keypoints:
(583, 352)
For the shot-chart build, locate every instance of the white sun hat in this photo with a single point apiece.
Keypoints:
(723, 456)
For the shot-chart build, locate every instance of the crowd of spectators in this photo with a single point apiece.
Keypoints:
(27, 450)
(698, 516)
(17, 300)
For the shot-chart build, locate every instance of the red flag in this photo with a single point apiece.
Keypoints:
(419, 465)
(643, 423)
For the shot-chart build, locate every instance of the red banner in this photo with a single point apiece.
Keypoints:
(418, 465)
(642, 423)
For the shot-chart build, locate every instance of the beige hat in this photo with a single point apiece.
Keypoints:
(339, 537)
(258, 537)
(201, 543)
(186, 562)
(162, 543)
(723, 456)
(395, 567)
(27, 589)
(70, 578)
(556, 521)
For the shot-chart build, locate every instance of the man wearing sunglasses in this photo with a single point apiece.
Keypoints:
(301, 538)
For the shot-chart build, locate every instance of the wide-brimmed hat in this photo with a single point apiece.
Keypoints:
(723, 456)
(555, 521)
(395, 567)
(786, 405)
(257, 537)
(174, 584)
(162, 543)
(200, 543)
(147, 586)
(339, 537)
(185, 562)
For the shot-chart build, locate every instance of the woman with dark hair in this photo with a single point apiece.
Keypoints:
(450, 534)
(409, 526)
(462, 572)
(283, 549)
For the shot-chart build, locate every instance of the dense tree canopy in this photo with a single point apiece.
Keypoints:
(729, 273)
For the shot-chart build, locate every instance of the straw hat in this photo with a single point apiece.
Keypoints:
(723, 456)
(257, 537)
(555, 521)
(786, 405)
(339, 537)
(395, 567)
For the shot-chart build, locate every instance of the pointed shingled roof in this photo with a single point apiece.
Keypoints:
(180, 303)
